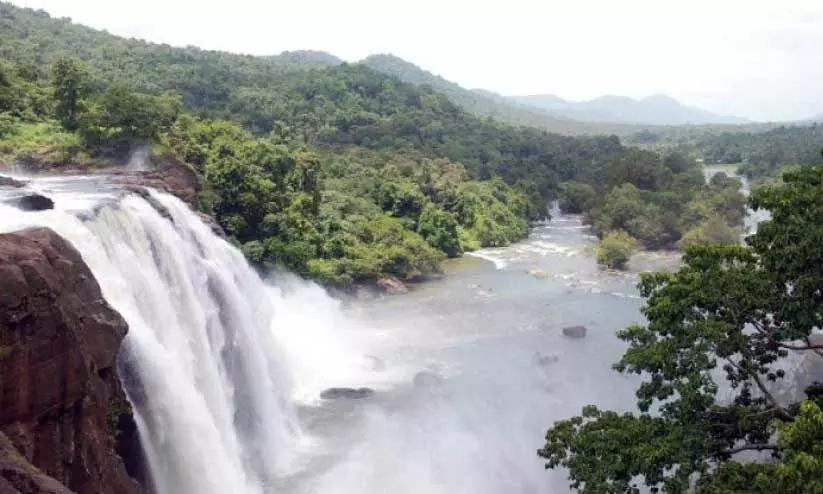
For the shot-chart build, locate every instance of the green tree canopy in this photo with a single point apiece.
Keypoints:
(713, 359)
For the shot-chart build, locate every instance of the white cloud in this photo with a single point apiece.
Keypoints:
(750, 58)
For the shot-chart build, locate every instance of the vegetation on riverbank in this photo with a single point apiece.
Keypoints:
(758, 153)
(717, 358)
(663, 202)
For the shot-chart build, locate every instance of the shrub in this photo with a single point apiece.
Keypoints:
(615, 249)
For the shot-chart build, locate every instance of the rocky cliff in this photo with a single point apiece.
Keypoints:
(62, 410)
(168, 174)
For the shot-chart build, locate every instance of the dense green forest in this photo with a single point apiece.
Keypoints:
(721, 358)
(663, 203)
(336, 171)
(760, 153)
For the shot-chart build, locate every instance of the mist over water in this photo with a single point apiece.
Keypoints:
(225, 369)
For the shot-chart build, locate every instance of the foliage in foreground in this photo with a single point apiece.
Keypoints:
(721, 333)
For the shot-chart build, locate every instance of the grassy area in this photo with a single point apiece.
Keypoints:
(46, 141)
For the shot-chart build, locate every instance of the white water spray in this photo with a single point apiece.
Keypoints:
(201, 363)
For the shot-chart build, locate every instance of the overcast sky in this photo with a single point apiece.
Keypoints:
(752, 58)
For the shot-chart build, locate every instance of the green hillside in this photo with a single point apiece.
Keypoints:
(336, 171)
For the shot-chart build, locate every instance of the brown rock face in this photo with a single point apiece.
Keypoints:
(60, 396)
(170, 175)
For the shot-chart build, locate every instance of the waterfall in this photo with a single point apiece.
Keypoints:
(201, 362)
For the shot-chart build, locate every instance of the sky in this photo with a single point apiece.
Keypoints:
(759, 59)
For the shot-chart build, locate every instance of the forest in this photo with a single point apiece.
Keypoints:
(337, 172)
(760, 153)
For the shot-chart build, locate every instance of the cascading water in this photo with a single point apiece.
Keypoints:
(200, 363)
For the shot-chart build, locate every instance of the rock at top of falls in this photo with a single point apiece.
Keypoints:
(32, 202)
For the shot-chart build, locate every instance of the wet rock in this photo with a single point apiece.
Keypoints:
(59, 388)
(576, 332)
(10, 182)
(154, 203)
(391, 285)
(18, 476)
(346, 393)
(32, 202)
(212, 224)
(427, 379)
(168, 174)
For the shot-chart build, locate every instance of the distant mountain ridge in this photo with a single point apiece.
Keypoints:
(480, 102)
(658, 109)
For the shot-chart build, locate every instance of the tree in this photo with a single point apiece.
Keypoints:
(713, 231)
(439, 228)
(616, 249)
(576, 197)
(71, 85)
(728, 319)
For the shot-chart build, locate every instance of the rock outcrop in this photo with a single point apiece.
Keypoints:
(18, 476)
(60, 396)
(576, 332)
(10, 182)
(169, 174)
(32, 202)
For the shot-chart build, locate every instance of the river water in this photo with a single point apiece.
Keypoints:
(230, 367)
(483, 328)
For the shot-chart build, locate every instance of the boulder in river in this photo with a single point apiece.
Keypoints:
(575, 332)
(346, 393)
(391, 285)
(10, 182)
(32, 202)
(425, 379)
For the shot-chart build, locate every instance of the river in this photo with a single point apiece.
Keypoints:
(483, 327)
(230, 367)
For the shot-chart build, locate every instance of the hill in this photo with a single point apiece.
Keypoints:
(479, 102)
(658, 109)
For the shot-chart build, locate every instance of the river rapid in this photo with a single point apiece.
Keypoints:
(231, 366)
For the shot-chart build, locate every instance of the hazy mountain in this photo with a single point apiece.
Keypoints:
(479, 102)
(658, 109)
